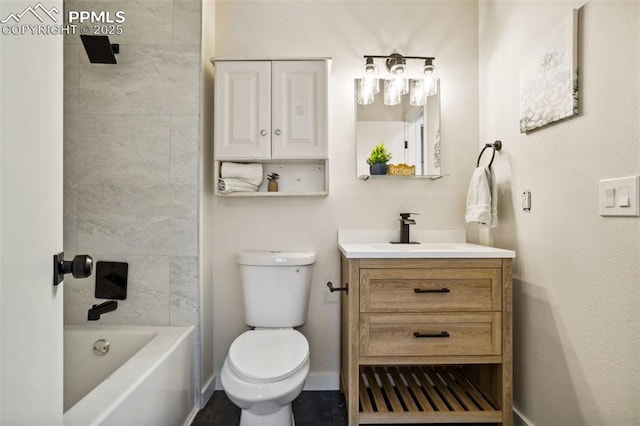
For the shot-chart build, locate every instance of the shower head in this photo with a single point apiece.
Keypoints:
(99, 49)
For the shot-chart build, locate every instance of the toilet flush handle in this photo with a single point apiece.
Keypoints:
(332, 288)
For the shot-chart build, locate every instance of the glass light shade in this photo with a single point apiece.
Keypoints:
(398, 69)
(430, 80)
(417, 94)
(371, 74)
(366, 91)
(392, 94)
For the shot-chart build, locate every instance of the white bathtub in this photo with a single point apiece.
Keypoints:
(146, 377)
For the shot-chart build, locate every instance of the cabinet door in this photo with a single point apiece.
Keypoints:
(299, 109)
(242, 123)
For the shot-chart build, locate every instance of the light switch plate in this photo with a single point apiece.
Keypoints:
(621, 187)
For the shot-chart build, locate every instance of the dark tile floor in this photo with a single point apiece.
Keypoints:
(311, 408)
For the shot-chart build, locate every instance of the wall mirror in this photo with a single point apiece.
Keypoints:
(410, 133)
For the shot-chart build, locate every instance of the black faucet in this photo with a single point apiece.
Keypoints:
(405, 222)
(97, 310)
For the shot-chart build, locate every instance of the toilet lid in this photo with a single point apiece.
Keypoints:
(268, 355)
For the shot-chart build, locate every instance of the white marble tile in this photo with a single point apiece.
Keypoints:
(186, 22)
(147, 301)
(117, 149)
(70, 219)
(185, 293)
(138, 219)
(145, 21)
(184, 149)
(71, 78)
(78, 298)
(148, 79)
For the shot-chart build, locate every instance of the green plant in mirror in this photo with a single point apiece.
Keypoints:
(379, 155)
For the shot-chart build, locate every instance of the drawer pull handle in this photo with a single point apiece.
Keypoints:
(441, 334)
(437, 290)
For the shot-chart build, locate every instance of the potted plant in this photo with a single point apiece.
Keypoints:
(272, 186)
(378, 159)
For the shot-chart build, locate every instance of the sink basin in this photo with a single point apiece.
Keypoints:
(424, 250)
(425, 247)
(436, 244)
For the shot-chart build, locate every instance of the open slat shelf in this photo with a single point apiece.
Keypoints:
(422, 394)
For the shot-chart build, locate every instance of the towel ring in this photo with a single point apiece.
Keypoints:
(497, 146)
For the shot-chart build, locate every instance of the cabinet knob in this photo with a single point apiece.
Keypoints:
(263, 132)
(277, 132)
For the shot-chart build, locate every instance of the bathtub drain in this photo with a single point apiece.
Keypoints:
(101, 347)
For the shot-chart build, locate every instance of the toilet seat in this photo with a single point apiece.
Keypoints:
(264, 356)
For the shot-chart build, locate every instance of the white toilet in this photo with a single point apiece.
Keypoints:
(266, 367)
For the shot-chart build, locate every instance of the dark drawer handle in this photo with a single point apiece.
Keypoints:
(441, 334)
(438, 290)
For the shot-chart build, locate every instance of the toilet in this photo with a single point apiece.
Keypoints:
(266, 367)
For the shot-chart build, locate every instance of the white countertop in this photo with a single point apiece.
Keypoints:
(354, 244)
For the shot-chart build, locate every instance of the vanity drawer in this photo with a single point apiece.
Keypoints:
(430, 290)
(410, 334)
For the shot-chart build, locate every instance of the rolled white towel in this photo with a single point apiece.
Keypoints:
(235, 185)
(251, 172)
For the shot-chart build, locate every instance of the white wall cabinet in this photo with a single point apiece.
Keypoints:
(274, 112)
(270, 110)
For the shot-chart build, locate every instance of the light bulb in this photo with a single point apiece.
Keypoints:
(417, 93)
(391, 92)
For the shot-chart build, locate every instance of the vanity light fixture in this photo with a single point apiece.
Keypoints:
(399, 81)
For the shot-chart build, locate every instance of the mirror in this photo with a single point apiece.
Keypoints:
(411, 134)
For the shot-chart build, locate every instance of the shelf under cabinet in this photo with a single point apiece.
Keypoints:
(422, 394)
(298, 178)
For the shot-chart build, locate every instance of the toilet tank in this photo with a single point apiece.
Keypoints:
(275, 287)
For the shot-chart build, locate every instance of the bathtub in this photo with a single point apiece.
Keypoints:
(146, 377)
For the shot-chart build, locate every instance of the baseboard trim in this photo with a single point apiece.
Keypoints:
(519, 419)
(315, 382)
(191, 416)
(322, 382)
(207, 391)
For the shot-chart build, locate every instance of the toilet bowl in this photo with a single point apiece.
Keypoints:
(264, 372)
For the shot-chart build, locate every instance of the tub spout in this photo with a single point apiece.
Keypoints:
(97, 310)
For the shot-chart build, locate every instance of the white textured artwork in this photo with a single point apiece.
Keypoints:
(549, 77)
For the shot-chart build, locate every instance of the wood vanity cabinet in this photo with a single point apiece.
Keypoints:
(426, 340)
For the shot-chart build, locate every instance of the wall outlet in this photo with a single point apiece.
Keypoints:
(526, 201)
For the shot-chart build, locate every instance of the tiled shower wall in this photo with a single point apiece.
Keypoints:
(131, 162)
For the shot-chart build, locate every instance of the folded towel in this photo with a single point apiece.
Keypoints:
(482, 198)
(235, 185)
(251, 172)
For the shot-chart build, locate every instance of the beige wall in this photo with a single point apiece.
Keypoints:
(577, 275)
(345, 31)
